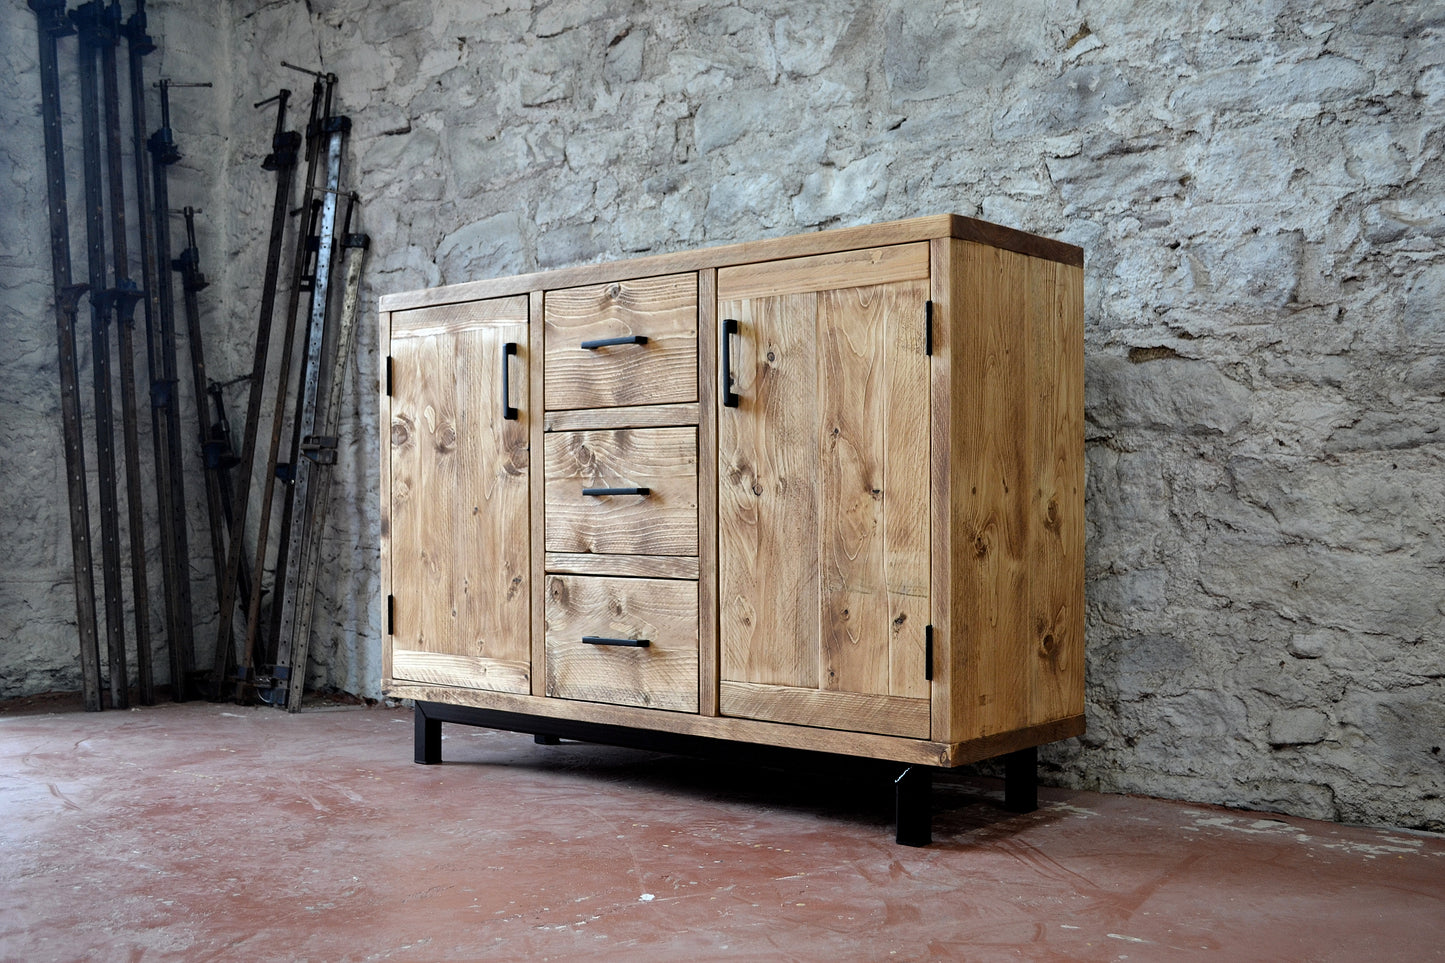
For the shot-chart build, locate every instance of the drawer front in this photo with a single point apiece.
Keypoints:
(660, 519)
(590, 361)
(661, 674)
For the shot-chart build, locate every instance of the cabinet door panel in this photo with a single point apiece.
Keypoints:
(823, 497)
(460, 530)
(873, 389)
(768, 496)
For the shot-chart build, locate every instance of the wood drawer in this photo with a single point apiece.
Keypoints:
(662, 461)
(661, 370)
(659, 675)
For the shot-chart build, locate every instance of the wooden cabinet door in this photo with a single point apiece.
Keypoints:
(459, 506)
(823, 475)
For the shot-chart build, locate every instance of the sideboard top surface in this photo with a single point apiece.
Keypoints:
(799, 245)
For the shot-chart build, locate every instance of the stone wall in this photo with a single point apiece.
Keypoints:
(1257, 188)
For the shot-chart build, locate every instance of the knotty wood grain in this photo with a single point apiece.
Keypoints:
(1056, 531)
(633, 416)
(826, 709)
(661, 676)
(459, 494)
(662, 522)
(634, 566)
(873, 385)
(462, 671)
(768, 495)
(662, 371)
(826, 272)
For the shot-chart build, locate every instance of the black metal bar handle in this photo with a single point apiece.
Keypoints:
(508, 350)
(730, 328)
(617, 491)
(609, 342)
(599, 640)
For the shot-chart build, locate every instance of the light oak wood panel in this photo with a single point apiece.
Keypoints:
(631, 566)
(470, 672)
(662, 675)
(663, 370)
(996, 478)
(873, 398)
(853, 711)
(1056, 529)
(635, 416)
(767, 495)
(908, 262)
(1017, 525)
(459, 495)
(801, 245)
(661, 522)
(823, 513)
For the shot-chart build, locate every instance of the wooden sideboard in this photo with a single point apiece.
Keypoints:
(822, 493)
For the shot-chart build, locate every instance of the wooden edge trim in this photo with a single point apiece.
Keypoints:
(425, 322)
(940, 459)
(796, 245)
(860, 267)
(434, 668)
(1012, 239)
(629, 416)
(822, 708)
(977, 750)
(707, 492)
(384, 486)
(538, 480)
(859, 744)
(684, 567)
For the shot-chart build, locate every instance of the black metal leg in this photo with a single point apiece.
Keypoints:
(542, 740)
(913, 791)
(428, 738)
(1021, 780)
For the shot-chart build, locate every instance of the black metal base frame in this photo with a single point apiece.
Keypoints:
(913, 786)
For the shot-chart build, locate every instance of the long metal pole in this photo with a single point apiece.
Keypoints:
(284, 145)
(303, 419)
(50, 24)
(188, 264)
(162, 147)
(124, 296)
(221, 459)
(300, 600)
(174, 580)
(88, 18)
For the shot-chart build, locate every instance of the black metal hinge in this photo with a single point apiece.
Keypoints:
(928, 652)
(388, 376)
(391, 615)
(928, 327)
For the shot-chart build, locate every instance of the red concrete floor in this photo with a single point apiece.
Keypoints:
(207, 832)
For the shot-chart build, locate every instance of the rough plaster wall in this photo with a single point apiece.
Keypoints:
(38, 646)
(1257, 188)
